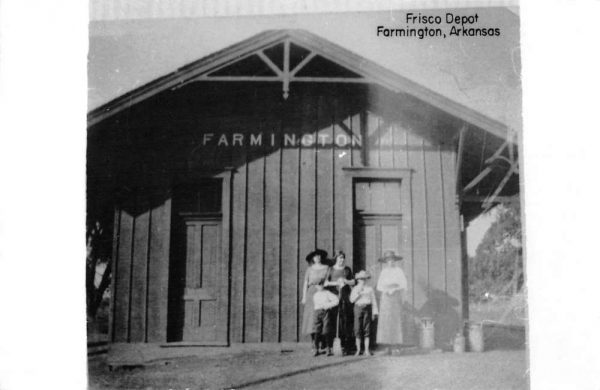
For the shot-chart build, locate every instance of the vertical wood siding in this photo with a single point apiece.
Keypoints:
(342, 157)
(356, 123)
(238, 251)
(158, 272)
(289, 200)
(137, 327)
(454, 269)
(433, 255)
(435, 219)
(420, 271)
(307, 235)
(272, 248)
(290, 260)
(122, 289)
(324, 168)
(253, 309)
(141, 275)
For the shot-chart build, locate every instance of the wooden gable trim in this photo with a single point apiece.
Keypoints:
(285, 75)
(204, 65)
(371, 72)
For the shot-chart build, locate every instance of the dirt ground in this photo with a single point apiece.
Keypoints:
(493, 370)
(296, 369)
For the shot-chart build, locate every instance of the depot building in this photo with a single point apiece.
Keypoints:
(221, 176)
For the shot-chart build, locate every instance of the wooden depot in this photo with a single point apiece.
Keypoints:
(209, 240)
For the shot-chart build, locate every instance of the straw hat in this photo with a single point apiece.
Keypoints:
(390, 255)
(321, 252)
(362, 275)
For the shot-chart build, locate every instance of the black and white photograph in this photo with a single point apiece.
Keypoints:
(306, 201)
(292, 195)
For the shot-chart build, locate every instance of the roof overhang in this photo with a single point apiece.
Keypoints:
(369, 71)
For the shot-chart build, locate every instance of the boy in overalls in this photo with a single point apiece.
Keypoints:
(365, 309)
(324, 325)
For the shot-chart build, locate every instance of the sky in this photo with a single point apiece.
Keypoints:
(476, 230)
(481, 74)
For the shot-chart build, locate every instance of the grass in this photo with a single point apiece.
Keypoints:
(506, 311)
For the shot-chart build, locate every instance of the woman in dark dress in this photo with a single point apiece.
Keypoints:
(340, 280)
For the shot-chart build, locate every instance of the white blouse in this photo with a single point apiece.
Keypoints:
(391, 278)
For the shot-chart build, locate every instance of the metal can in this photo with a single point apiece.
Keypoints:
(476, 337)
(459, 343)
(427, 333)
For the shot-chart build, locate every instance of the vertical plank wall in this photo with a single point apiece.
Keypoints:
(433, 262)
(289, 200)
(141, 250)
(271, 318)
(237, 278)
(307, 207)
(255, 225)
(301, 188)
(291, 266)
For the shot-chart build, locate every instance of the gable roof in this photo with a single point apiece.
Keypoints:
(369, 70)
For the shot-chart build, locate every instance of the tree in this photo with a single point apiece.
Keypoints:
(98, 252)
(497, 267)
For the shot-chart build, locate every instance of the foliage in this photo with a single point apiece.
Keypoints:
(497, 268)
(98, 254)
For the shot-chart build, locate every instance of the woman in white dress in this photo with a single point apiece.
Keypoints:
(392, 284)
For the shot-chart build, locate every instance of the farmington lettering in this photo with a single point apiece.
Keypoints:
(255, 139)
(409, 32)
(286, 140)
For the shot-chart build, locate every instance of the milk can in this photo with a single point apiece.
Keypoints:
(459, 343)
(427, 333)
(476, 337)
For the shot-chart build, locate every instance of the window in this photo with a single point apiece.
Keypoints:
(201, 196)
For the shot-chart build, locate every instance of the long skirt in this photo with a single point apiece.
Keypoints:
(346, 323)
(309, 312)
(389, 327)
(346, 316)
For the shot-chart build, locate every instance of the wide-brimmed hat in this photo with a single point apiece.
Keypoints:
(390, 255)
(362, 275)
(321, 252)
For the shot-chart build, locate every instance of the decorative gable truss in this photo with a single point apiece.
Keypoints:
(292, 56)
(284, 62)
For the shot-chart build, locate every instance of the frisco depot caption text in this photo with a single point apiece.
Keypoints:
(460, 25)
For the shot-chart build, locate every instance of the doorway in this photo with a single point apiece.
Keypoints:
(199, 272)
(377, 211)
(373, 235)
(377, 222)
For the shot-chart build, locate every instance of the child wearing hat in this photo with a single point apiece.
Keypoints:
(324, 323)
(365, 309)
